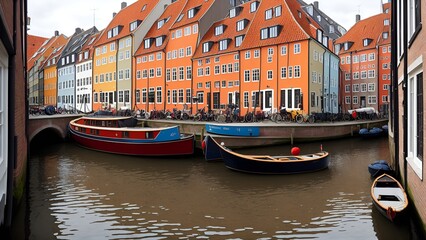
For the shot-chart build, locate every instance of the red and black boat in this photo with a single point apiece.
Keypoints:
(121, 135)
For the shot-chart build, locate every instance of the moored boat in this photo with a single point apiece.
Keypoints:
(371, 133)
(266, 164)
(233, 130)
(389, 197)
(120, 135)
(378, 168)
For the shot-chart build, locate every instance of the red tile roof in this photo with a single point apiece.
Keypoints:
(201, 5)
(230, 32)
(33, 44)
(136, 11)
(46, 49)
(371, 28)
(171, 13)
(296, 24)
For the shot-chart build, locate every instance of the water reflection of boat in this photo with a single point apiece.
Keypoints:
(389, 197)
(120, 135)
(266, 164)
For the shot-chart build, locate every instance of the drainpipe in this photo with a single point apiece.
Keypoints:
(378, 67)
(164, 97)
(322, 82)
(278, 79)
(404, 89)
(260, 81)
(239, 84)
(394, 73)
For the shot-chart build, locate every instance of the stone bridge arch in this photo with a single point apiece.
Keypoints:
(57, 123)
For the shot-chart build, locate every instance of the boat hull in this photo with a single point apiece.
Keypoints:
(239, 162)
(389, 197)
(183, 146)
(233, 130)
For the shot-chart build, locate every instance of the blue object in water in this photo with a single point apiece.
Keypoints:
(379, 167)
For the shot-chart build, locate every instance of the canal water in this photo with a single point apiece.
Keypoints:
(75, 193)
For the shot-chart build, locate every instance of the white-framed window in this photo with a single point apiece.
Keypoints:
(297, 48)
(347, 88)
(347, 100)
(355, 100)
(371, 87)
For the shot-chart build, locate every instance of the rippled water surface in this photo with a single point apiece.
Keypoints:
(76, 193)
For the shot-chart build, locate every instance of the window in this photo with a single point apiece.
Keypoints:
(284, 50)
(158, 41)
(277, 11)
(414, 16)
(256, 75)
(297, 48)
(270, 32)
(223, 44)
(256, 53)
(147, 43)
(241, 25)
(219, 30)
(238, 41)
(207, 46)
(269, 74)
(188, 73)
(253, 6)
(371, 87)
(297, 71)
(268, 14)
(134, 25)
(247, 54)
(246, 75)
(347, 88)
(283, 72)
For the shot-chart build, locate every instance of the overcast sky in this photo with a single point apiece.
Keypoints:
(65, 16)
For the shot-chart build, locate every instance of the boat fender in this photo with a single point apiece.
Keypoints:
(390, 212)
(295, 151)
(203, 145)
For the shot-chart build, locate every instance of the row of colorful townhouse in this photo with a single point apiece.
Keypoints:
(193, 54)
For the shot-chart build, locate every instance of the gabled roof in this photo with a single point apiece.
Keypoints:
(34, 43)
(295, 24)
(77, 40)
(136, 11)
(55, 54)
(200, 7)
(168, 17)
(46, 49)
(369, 28)
(89, 45)
(230, 31)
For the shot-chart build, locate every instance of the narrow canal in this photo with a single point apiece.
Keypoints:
(75, 193)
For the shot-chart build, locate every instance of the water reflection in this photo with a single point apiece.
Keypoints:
(80, 194)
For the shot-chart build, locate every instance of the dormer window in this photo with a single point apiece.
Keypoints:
(147, 43)
(386, 22)
(270, 32)
(268, 14)
(192, 12)
(159, 41)
(277, 11)
(366, 42)
(253, 6)
(241, 24)
(180, 17)
(134, 25)
(115, 31)
(207, 46)
(161, 22)
(319, 35)
(346, 46)
(385, 35)
(239, 40)
(223, 44)
(219, 30)
(232, 13)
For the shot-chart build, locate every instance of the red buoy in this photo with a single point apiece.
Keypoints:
(295, 151)
(203, 145)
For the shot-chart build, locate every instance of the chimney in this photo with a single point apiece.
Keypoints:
(123, 5)
(316, 4)
(113, 14)
(357, 18)
(56, 33)
(78, 30)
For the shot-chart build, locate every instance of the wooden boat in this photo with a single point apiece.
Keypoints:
(265, 164)
(210, 149)
(114, 134)
(389, 197)
(378, 168)
(233, 130)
